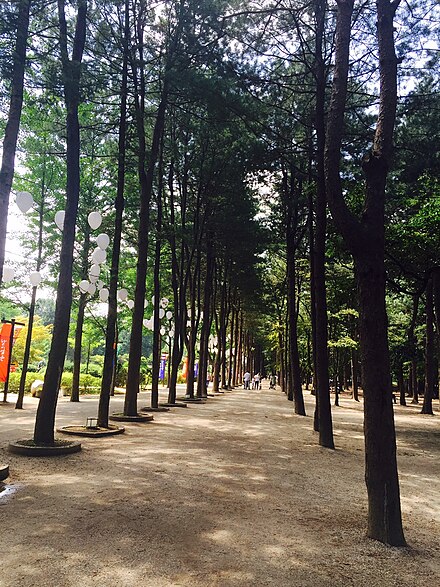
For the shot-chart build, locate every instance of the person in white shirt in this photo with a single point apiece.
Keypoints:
(247, 380)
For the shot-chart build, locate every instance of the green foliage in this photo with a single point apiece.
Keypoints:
(39, 344)
(14, 381)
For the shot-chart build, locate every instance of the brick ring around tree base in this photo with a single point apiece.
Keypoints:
(4, 472)
(120, 417)
(28, 448)
(91, 432)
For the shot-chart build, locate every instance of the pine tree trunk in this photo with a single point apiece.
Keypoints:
(13, 122)
(109, 367)
(365, 238)
(429, 352)
(78, 348)
(321, 336)
(384, 515)
(45, 419)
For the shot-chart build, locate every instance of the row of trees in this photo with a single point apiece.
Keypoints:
(212, 138)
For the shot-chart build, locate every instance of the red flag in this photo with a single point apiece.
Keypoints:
(5, 337)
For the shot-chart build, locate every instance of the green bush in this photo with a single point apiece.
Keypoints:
(87, 383)
(14, 381)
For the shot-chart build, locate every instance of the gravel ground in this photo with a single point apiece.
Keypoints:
(231, 493)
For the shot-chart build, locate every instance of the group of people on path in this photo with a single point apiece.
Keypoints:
(256, 381)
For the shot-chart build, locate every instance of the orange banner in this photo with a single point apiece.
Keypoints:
(185, 368)
(5, 336)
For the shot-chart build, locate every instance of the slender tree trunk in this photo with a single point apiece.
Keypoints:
(321, 335)
(146, 181)
(109, 367)
(294, 393)
(429, 352)
(401, 385)
(45, 419)
(206, 322)
(157, 296)
(77, 351)
(13, 122)
(354, 374)
(27, 350)
(365, 238)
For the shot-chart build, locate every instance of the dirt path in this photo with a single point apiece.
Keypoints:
(231, 493)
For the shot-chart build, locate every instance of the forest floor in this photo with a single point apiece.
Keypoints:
(232, 493)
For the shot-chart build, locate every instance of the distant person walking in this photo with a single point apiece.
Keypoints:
(247, 380)
(257, 381)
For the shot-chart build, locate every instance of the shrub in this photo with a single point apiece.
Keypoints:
(14, 381)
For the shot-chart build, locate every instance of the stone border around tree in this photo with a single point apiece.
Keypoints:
(159, 409)
(120, 417)
(193, 400)
(175, 405)
(28, 448)
(96, 432)
(4, 472)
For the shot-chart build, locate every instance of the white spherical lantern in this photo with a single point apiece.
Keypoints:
(24, 201)
(169, 315)
(103, 294)
(99, 256)
(59, 219)
(8, 274)
(188, 312)
(122, 294)
(164, 302)
(84, 286)
(130, 304)
(94, 219)
(103, 241)
(145, 322)
(99, 284)
(171, 333)
(91, 289)
(161, 313)
(162, 331)
(94, 270)
(152, 300)
(35, 278)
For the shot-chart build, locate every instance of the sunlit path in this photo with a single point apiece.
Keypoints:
(234, 492)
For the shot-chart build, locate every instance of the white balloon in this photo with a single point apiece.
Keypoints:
(145, 322)
(8, 274)
(99, 256)
(103, 241)
(84, 286)
(171, 333)
(94, 270)
(91, 289)
(152, 300)
(130, 304)
(122, 294)
(99, 284)
(151, 324)
(164, 302)
(103, 294)
(59, 219)
(145, 303)
(24, 201)
(188, 312)
(94, 219)
(35, 278)
(93, 279)
(169, 315)
(161, 313)
(162, 331)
